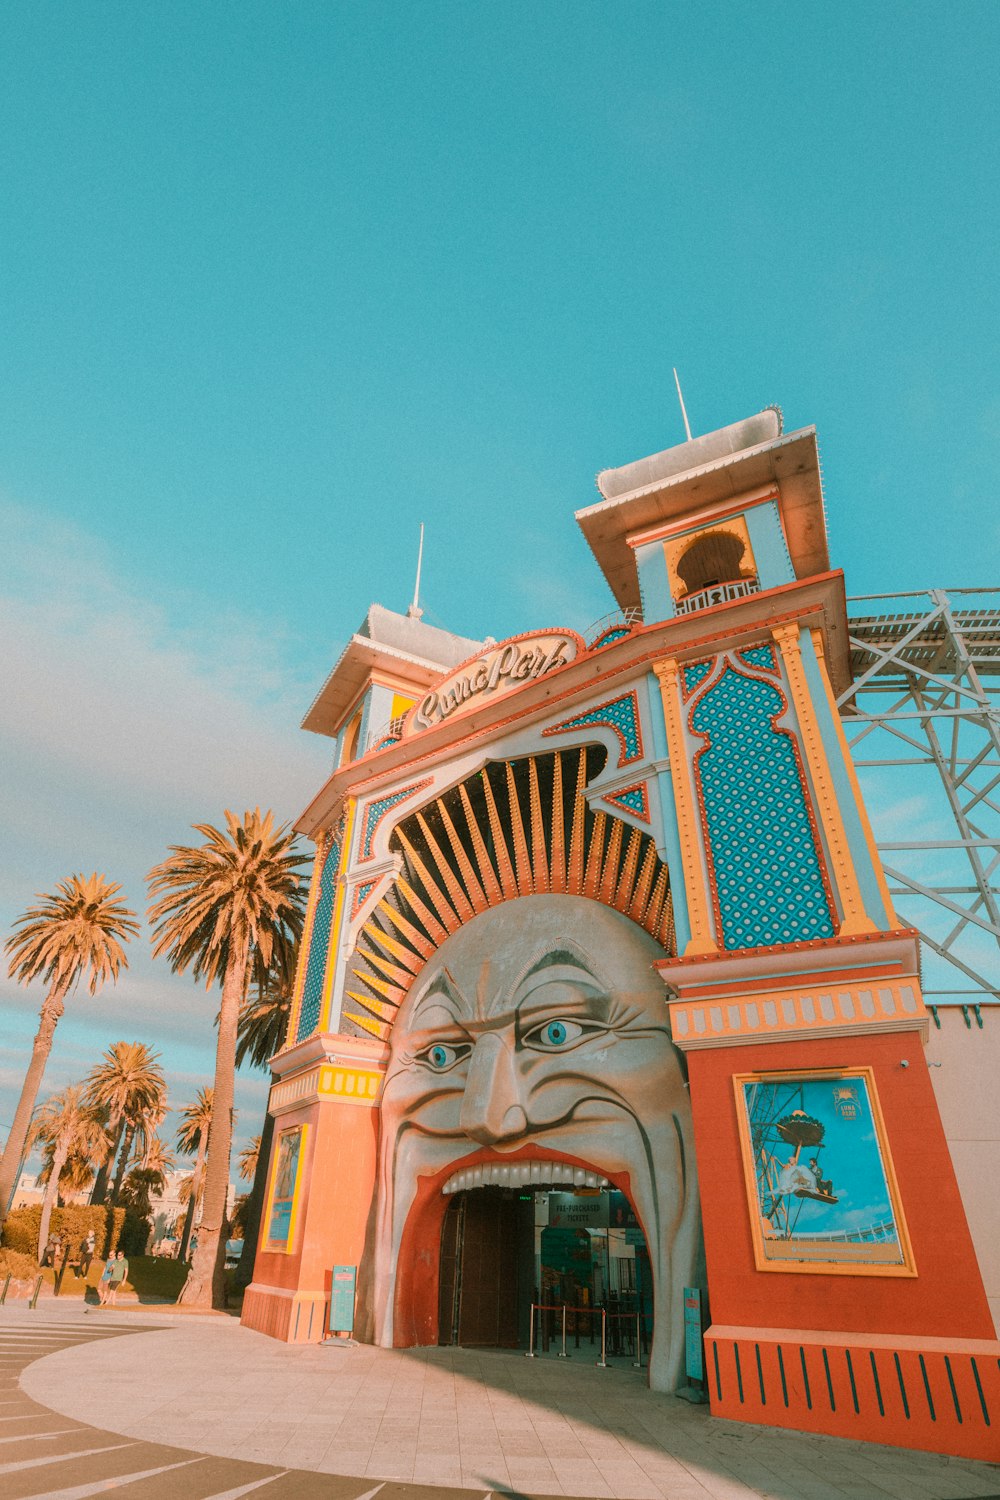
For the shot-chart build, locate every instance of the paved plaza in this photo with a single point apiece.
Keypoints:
(167, 1408)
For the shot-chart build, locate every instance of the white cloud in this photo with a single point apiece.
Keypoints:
(127, 718)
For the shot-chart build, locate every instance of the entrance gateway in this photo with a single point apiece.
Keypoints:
(511, 1254)
(598, 932)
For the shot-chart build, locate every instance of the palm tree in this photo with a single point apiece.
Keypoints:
(226, 909)
(67, 1124)
(263, 1027)
(81, 928)
(128, 1085)
(157, 1156)
(248, 1158)
(138, 1188)
(192, 1136)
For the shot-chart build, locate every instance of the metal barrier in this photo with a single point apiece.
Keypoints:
(6, 1289)
(563, 1308)
(34, 1295)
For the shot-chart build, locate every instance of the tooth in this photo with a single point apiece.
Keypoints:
(504, 1176)
(603, 1182)
(448, 1187)
(536, 1172)
(591, 1179)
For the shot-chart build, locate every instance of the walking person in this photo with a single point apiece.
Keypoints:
(119, 1271)
(104, 1285)
(87, 1247)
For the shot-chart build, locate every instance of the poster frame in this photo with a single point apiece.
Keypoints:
(832, 1267)
(287, 1246)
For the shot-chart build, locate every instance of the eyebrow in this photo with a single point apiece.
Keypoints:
(443, 987)
(563, 958)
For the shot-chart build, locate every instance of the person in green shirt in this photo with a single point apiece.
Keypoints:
(119, 1271)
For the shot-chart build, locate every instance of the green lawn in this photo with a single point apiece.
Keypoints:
(148, 1275)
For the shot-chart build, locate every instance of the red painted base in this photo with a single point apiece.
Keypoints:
(937, 1394)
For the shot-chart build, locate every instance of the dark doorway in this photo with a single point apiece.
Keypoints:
(484, 1235)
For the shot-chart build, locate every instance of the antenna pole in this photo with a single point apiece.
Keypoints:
(414, 610)
(687, 424)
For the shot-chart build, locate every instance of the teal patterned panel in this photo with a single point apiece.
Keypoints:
(759, 656)
(767, 870)
(697, 673)
(319, 945)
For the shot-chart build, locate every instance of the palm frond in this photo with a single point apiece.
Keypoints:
(82, 927)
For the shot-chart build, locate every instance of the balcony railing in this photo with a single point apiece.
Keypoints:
(718, 593)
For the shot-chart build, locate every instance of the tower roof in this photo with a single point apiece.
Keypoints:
(701, 474)
(401, 646)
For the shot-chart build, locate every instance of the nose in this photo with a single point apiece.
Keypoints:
(491, 1105)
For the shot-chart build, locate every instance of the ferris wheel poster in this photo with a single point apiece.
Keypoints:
(820, 1182)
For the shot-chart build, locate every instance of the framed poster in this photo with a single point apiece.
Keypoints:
(819, 1175)
(286, 1174)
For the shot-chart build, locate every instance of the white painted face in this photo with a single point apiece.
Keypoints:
(539, 1031)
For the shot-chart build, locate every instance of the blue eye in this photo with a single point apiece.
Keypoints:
(550, 1036)
(441, 1057)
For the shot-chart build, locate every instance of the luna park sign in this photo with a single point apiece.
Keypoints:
(498, 671)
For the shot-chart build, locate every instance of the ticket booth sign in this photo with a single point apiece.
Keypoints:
(342, 1285)
(694, 1362)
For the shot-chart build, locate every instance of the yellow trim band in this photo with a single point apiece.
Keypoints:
(702, 941)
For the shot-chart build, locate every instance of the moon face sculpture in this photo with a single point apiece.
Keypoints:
(538, 1033)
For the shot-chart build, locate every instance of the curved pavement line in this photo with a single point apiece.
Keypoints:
(46, 1456)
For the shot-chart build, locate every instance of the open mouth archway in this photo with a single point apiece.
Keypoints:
(533, 1051)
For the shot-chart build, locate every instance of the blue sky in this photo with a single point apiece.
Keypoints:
(279, 283)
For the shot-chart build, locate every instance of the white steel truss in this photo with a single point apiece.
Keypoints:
(923, 721)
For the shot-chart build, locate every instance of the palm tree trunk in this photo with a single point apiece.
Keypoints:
(205, 1286)
(126, 1151)
(51, 1193)
(10, 1166)
(100, 1188)
(197, 1184)
(255, 1208)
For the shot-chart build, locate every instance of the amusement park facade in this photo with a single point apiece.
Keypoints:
(604, 1002)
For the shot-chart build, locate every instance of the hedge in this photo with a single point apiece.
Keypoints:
(20, 1230)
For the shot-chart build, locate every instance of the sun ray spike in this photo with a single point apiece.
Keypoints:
(505, 869)
(574, 873)
(421, 911)
(477, 895)
(379, 986)
(378, 1008)
(390, 971)
(456, 893)
(377, 1028)
(445, 911)
(592, 873)
(522, 860)
(651, 921)
(623, 892)
(397, 950)
(640, 895)
(612, 863)
(557, 837)
(419, 940)
(491, 885)
(539, 858)
(669, 938)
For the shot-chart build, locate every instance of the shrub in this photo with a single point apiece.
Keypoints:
(20, 1230)
(13, 1263)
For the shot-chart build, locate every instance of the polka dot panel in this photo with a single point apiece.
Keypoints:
(361, 894)
(760, 656)
(374, 813)
(633, 798)
(768, 876)
(696, 673)
(319, 946)
(622, 716)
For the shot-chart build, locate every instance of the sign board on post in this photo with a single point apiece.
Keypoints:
(342, 1284)
(694, 1361)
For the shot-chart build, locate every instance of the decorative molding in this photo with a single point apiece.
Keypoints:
(855, 918)
(702, 941)
(785, 1015)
